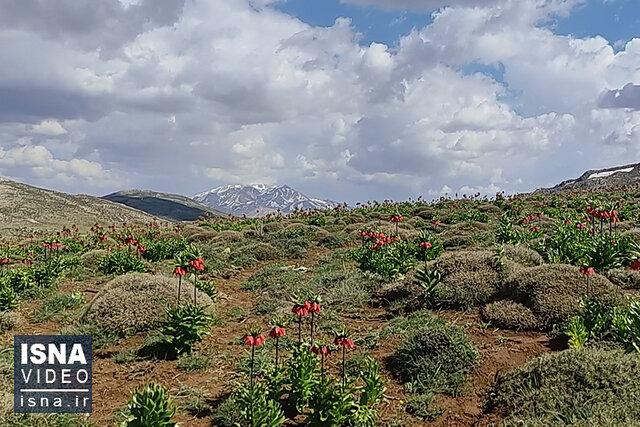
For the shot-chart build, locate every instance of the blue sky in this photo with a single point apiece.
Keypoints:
(375, 24)
(616, 20)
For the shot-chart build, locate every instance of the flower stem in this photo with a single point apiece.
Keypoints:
(344, 367)
(299, 330)
(277, 350)
(195, 288)
(179, 287)
(312, 324)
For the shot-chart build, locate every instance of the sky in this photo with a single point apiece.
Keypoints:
(350, 100)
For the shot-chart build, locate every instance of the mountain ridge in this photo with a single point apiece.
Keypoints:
(597, 179)
(174, 207)
(259, 199)
(23, 205)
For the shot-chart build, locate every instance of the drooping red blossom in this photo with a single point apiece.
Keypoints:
(141, 249)
(426, 245)
(587, 271)
(322, 350)
(197, 264)
(314, 307)
(255, 340)
(179, 271)
(534, 229)
(5, 261)
(397, 218)
(581, 226)
(436, 222)
(300, 310)
(635, 265)
(277, 332)
(344, 342)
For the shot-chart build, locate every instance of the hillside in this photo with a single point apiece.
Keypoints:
(24, 207)
(597, 179)
(169, 206)
(256, 200)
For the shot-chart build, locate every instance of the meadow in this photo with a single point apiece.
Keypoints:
(518, 310)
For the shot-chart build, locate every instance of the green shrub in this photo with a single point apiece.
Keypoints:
(149, 406)
(388, 261)
(423, 406)
(165, 248)
(468, 278)
(573, 387)
(8, 297)
(57, 304)
(625, 278)
(523, 255)
(553, 292)
(192, 362)
(120, 262)
(8, 321)
(510, 315)
(434, 357)
(185, 325)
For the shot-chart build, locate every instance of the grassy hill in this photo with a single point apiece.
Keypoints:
(173, 207)
(24, 207)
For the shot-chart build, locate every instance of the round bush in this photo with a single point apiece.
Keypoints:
(434, 357)
(469, 278)
(553, 291)
(91, 259)
(625, 278)
(587, 387)
(227, 236)
(137, 302)
(523, 255)
(510, 315)
(260, 251)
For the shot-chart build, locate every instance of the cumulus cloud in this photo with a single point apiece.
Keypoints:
(627, 97)
(198, 93)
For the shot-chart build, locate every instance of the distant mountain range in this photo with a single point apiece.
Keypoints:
(256, 200)
(168, 206)
(598, 179)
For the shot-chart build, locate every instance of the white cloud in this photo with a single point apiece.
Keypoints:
(220, 91)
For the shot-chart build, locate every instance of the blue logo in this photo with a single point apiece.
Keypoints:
(52, 373)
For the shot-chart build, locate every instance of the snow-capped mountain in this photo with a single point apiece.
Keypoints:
(256, 200)
(597, 179)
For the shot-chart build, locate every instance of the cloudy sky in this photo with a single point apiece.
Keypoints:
(343, 99)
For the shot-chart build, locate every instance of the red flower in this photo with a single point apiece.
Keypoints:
(323, 350)
(255, 340)
(581, 226)
(436, 222)
(426, 245)
(314, 308)
(5, 261)
(277, 332)
(587, 271)
(344, 342)
(197, 264)
(534, 229)
(179, 271)
(397, 218)
(141, 249)
(635, 265)
(300, 310)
